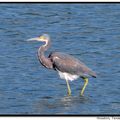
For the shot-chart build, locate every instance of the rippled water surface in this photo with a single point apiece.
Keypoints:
(90, 32)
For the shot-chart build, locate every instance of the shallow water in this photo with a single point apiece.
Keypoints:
(90, 32)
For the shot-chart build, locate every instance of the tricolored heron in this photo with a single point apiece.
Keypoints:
(68, 67)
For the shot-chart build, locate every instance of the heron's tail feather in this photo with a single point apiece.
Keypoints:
(92, 73)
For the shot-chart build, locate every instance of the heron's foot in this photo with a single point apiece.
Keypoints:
(85, 84)
(81, 94)
(69, 92)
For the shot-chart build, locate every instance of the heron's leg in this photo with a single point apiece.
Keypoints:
(85, 84)
(68, 87)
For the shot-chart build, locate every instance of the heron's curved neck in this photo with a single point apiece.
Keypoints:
(44, 47)
(42, 50)
(44, 60)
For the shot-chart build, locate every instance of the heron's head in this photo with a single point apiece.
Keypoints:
(42, 38)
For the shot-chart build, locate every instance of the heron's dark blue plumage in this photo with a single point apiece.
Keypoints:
(68, 64)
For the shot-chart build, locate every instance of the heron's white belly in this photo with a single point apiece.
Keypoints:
(67, 76)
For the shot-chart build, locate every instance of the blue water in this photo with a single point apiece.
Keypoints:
(90, 32)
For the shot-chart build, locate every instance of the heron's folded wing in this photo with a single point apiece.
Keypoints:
(67, 63)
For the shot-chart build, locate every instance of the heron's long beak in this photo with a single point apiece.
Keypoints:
(34, 39)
